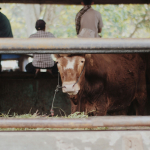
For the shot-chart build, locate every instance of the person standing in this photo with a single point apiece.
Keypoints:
(41, 61)
(5, 31)
(88, 21)
(5, 27)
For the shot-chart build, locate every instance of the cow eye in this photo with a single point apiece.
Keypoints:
(82, 61)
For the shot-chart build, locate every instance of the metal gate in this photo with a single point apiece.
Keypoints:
(74, 140)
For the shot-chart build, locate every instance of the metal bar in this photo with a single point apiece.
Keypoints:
(103, 121)
(82, 45)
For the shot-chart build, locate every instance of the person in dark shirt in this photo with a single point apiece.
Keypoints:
(5, 27)
(5, 30)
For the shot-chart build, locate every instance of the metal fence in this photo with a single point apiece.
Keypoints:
(69, 140)
(91, 122)
(30, 46)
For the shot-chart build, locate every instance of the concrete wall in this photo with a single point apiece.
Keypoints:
(76, 140)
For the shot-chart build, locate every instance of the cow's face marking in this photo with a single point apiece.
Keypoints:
(70, 69)
(70, 64)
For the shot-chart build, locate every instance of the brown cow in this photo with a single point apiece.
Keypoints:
(103, 83)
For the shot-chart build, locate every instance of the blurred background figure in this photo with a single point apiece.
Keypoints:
(88, 21)
(41, 61)
(9, 62)
(5, 31)
(5, 27)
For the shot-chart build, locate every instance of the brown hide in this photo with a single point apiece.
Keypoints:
(110, 83)
(146, 59)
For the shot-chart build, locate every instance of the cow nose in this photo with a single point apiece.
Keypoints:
(68, 88)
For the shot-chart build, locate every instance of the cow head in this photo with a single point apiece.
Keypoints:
(71, 69)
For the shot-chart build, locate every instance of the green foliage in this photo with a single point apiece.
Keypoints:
(16, 17)
(120, 21)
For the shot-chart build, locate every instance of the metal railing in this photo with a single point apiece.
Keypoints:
(96, 45)
(91, 122)
(30, 46)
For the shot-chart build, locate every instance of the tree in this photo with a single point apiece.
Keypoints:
(120, 21)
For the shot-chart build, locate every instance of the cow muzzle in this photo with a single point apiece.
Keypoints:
(70, 88)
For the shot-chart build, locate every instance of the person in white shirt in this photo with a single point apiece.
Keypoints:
(88, 21)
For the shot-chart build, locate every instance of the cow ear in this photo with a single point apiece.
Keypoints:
(55, 56)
